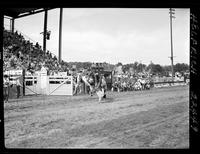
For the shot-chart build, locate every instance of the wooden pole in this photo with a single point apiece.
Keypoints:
(60, 36)
(13, 25)
(45, 31)
(172, 64)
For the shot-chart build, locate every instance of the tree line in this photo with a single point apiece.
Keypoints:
(135, 67)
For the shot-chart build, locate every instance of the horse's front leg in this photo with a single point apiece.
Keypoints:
(75, 90)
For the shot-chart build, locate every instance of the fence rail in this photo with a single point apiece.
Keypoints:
(169, 83)
(163, 82)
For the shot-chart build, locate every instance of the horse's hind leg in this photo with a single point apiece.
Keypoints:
(104, 92)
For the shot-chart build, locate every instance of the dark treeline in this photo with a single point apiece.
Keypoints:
(135, 67)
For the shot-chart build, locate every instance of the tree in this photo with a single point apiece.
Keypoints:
(158, 69)
(181, 67)
(141, 67)
(167, 69)
(126, 67)
(119, 64)
(135, 65)
(155, 68)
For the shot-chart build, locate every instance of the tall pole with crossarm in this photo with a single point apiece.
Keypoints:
(60, 35)
(45, 30)
(171, 12)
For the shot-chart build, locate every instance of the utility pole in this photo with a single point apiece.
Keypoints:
(60, 35)
(45, 31)
(13, 25)
(171, 16)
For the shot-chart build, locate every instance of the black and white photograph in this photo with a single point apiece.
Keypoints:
(96, 78)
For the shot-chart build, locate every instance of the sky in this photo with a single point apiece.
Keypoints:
(113, 35)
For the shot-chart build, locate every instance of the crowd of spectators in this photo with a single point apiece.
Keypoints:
(129, 82)
(19, 53)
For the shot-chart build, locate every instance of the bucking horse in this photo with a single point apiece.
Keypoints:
(95, 82)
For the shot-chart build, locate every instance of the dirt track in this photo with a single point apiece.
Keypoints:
(158, 118)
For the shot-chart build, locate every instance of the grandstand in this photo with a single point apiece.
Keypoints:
(19, 53)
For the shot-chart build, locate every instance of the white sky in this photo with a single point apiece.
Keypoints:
(113, 34)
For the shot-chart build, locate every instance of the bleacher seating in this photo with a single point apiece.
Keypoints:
(22, 54)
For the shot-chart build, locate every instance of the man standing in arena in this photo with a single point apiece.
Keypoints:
(18, 85)
(101, 88)
(104, 85)
(6, 88)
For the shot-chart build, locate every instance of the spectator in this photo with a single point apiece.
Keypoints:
(18, 85)
(6, 88)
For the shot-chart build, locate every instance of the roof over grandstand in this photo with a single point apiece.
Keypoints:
(22, 12)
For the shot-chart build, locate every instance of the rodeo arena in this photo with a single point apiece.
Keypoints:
(47, 105)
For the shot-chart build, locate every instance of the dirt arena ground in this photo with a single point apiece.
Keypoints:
(156, 118)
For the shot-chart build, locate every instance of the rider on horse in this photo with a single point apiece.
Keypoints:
(95, 82)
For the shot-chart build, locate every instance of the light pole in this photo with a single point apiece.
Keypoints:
(171, 16)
